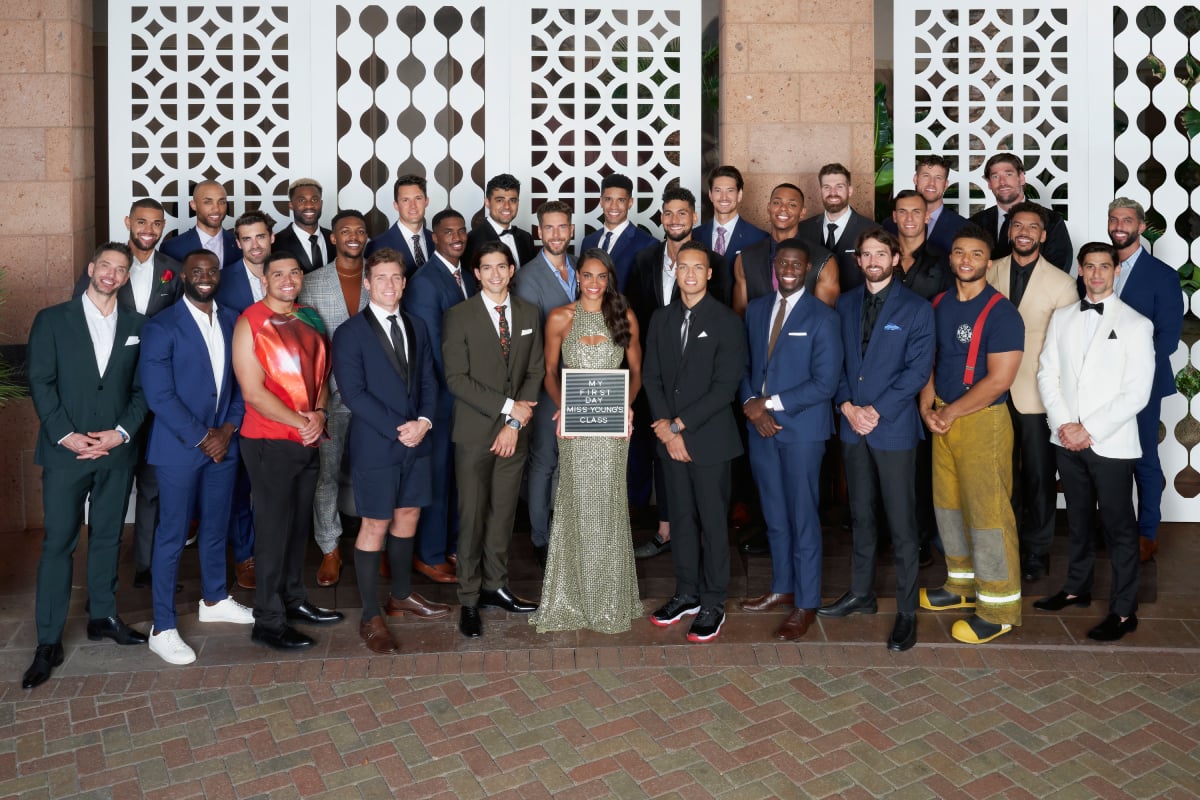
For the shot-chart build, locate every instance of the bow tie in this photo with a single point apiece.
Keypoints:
(505, 232)
(1084, 305)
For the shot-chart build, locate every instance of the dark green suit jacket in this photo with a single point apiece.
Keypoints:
(70, 395)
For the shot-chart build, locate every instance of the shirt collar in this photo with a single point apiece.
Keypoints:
(92, 310)
(382, 313)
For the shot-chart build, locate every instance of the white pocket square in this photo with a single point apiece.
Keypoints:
(702, 335)
(132, 340)
(797, 333)
(526, 331)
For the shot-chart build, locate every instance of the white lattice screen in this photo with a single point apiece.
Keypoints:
(558, 93)
(1038, 79)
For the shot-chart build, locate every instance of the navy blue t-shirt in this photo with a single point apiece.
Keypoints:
(954, 320)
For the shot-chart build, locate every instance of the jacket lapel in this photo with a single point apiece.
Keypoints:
(385, 341)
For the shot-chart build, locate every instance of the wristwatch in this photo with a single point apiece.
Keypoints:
(675, 427)
(514, 424)
(769, 405)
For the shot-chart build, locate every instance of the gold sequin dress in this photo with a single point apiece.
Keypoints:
(590, 578)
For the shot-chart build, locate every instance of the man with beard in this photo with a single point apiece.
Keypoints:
(210, 205)
(335, 291)
(1151, 288)
(618, 236)
(652, 286)
(979, 340)
(941, 222)
(840, 226)
(547, 282)
(153, 285)
(1005, 175)
(305, 238)
(887, 339)
(502, 198)
(77, 351)
(409, 235)
(727, 234)
(187, 375)
(754, 268)
(1036, 288)
(433, 290)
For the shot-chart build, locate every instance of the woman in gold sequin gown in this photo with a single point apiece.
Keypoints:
(590, 578)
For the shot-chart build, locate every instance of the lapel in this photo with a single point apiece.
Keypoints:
(660, 253)
(125, 329)
(385, 341)
(889, 307)
(78, 331)
(1003, 276)
(195, 340)
(227, 323)
(1107, 321)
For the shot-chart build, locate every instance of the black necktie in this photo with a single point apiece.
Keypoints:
(870, 315)
(607, 241)
(1018, 281)
(418, 253)
(315, 252)
(831, 237)
(1002, 243)
(398, 345)
(506, 232)
(683, 331)
(1084, 305)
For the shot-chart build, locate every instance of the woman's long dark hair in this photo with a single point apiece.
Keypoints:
(613, 305)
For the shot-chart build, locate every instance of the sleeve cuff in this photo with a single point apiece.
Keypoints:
(507, 408)
(776, 403)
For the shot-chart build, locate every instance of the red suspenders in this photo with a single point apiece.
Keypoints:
(976, 336)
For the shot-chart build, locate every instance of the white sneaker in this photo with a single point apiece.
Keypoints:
(228, 610)
(170, 648)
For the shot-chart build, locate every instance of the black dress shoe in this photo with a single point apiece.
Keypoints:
(141, 579)
(904, 632)
(1034, 566)
(1112, 628)
(113, 628)
(542, 552)
(45, 659)
(1060, 601)
(469, 622)
(287, 638)
(755, 545)
(504, 598)
(925, 555)
(848, 604)
(314, 615)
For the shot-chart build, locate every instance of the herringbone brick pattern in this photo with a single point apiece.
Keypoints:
(351, 729)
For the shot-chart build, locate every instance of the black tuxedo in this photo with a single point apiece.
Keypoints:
(644, 290)
(813, 232)
(484, 232)
(697, 384)
(286, 241)
(1056, 249)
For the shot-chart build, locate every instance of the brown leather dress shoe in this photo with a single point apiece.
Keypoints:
(417, 606)
(438, 573)
(377, 638)
(244, 573)
(796, 625)
(330, 571)
(767, 601)
(1147, 548)
(452, 559)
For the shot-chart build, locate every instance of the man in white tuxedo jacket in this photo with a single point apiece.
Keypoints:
(1095, 374)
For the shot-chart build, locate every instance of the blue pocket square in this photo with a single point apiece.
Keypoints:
(891, 326)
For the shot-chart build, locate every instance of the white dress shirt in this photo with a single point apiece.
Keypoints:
(494, 315)
(382, 315)
(667, 276)
(214, 339)
(616, 234)
(256, 288)
(792, 301)
(213, 244)
(141, 282)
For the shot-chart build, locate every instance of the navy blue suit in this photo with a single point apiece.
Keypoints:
(430, 293)
(744, 234)
(177, 378)
(1152, 289)
(880, 466)
(234, 292)
(631, 241)
(400, 239)
(803, 371)
(179, 246)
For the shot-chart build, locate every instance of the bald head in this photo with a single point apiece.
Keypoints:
(210, 204)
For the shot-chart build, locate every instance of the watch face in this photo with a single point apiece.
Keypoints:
(674, 427)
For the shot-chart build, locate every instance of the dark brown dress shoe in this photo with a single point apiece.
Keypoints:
(376, 636)
(244, 572)
(1147, 548)
(417, 606)
(796, 625)
(330, 571)
(438, 573)
(452, 559)
(767, 601)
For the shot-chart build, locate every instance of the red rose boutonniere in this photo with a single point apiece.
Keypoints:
(168, 276)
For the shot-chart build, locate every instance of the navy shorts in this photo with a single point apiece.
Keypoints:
(379, 492)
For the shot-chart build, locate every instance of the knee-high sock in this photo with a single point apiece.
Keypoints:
(400, 554)
(366, 564)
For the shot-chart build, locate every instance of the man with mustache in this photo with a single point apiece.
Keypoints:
(305, 238)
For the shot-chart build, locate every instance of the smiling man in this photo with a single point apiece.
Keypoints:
(305, 238)
(1005, 175)
(187, 374)
(618, 236)
(210, 205)
(727, 234)
(409, 236)
(840, 226)
(502, 200)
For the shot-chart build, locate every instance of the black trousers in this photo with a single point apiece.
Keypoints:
(1089, 479)
(283, 477)
(1034, 494)
(882, 479)
(699, 505)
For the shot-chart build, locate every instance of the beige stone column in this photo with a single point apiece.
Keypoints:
(797, 91)
(47, 199)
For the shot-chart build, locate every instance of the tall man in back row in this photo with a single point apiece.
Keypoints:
(980, 337)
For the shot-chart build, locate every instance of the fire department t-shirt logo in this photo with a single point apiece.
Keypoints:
(963, 333)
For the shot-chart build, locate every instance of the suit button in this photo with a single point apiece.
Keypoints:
(100, 388)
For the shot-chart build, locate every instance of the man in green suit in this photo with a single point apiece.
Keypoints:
(83, 376)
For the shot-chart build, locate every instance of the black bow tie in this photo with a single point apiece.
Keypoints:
(1084, 305)
(505, 232)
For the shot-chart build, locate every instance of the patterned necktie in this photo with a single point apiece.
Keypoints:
(419, 255)
(776, 327)
(314, 252)
(505, 336)
(607, 243)
(683, 330)
(398, 345)
(720, 248)
(831, 237)
(458, 279)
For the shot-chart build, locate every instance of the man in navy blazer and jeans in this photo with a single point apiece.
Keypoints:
(887, 339)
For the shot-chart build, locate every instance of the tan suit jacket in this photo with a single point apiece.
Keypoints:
(1049, 288)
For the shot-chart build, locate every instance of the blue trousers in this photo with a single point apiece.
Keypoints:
(1147, 470)
(437, 529)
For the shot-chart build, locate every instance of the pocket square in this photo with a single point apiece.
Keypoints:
(891, 326)
(797, 333)
(132, 340)
(1112, 334)
(702, 335)
(526, 331)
